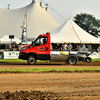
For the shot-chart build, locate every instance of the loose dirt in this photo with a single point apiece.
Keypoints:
(49, 65)
(50, 86)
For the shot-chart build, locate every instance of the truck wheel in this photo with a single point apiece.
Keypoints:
(72, 60)
(88, 59)
(31, 60)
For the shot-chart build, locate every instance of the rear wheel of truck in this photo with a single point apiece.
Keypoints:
(88, 59)
(31, 60)
(72, 60)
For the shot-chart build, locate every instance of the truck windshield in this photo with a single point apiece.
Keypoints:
(39, 41)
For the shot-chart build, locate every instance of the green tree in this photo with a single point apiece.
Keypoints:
(89, 23)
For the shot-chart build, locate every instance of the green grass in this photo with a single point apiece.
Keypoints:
(19, 60)
(50, 69)
(12, 60)
(45, 69)
(95, 60)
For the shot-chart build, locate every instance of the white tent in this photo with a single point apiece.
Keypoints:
(5, 39)
(71, 32)
(38, 21)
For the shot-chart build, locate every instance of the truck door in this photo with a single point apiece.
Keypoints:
(42, 47)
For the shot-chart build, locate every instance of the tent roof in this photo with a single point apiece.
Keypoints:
(71, 32)
(38, 21)
(5, 39)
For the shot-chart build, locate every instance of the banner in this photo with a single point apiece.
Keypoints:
(95, 55)
(63, 52)
(11, 54)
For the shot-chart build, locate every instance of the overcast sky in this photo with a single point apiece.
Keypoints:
(67, 8)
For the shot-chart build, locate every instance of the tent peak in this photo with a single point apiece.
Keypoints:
(69, 18)
(69, 31)
(34, 1)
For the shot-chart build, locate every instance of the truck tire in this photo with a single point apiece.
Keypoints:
(88, 59)
(31, 60)
(72, 60)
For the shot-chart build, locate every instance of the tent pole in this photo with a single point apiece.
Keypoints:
(11, 41)
(26, 26)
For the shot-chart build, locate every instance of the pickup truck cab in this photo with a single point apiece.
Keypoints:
(40, 49)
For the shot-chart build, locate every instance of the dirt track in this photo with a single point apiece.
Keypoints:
(75, 86)
(49, 65)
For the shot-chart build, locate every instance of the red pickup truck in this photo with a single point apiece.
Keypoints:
(40, 49)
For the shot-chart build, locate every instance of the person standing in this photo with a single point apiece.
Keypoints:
(98, 49)
(70, 47)
(14, 47)
(20, 46)
(89, 47)
(58, 47)
(64, 46)
(83, 46)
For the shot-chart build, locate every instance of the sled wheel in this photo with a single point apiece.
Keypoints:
(88, 59)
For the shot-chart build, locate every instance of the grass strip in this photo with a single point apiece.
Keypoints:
(95, 60)
(12, 60)
(50, 69)
(19, 60)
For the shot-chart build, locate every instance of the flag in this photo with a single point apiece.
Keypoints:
(24, 30)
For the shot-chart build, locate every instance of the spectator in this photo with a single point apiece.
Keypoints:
(70, 47)
(58, 47)
(17, 49)
(98, 49)
(14, 47)
(89, 47)
(20, 46)
(83, 46)
(64, 47)
(74, 46)
(77, 47)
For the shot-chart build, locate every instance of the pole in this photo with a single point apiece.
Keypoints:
(26, 26)
(11, 40)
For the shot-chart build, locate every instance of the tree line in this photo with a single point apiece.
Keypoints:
(88, 23)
